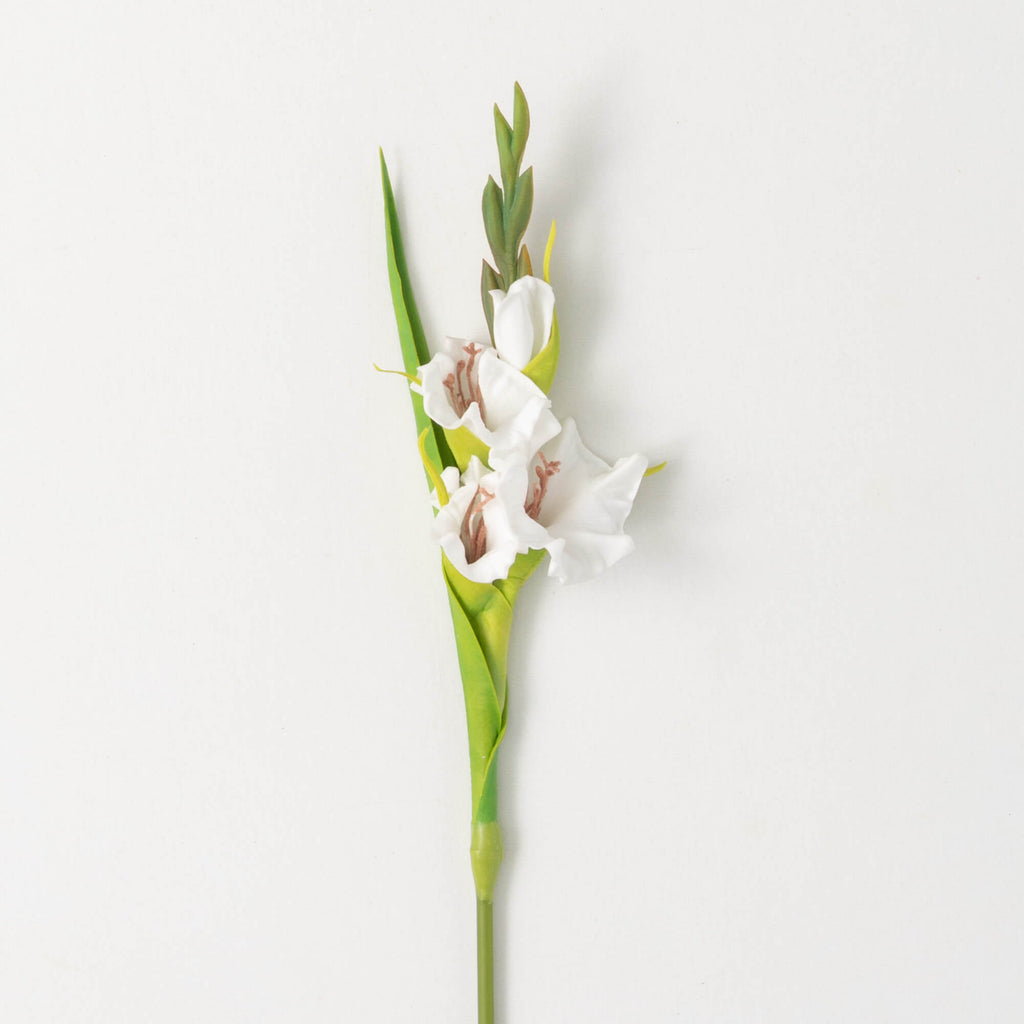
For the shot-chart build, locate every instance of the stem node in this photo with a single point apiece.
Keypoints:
(485, 853)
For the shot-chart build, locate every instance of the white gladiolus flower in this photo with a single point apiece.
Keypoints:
(564, 499)
(483, 527)
(582, 503)
(467, 385)
(522, 319)
(544, 489)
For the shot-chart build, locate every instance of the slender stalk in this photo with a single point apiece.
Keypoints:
(485, 960)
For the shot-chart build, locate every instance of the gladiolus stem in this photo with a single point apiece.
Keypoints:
(485, 960)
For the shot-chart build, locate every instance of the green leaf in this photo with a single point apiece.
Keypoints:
(483, 706)
(482, 617)
(541, 368)
(410, 329)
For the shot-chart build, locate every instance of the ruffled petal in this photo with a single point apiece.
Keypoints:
(584, 505)
(503, 408)
(522, 319)
(485, 510)
(437, 398)
(518, 413)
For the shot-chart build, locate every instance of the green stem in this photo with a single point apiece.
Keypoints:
(485, 853)
(485, 960)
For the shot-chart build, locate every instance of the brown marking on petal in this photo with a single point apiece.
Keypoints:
(462, 382)
(473, 379)
(453, 396)
(463, 386)
(545, 471)
(473, 532)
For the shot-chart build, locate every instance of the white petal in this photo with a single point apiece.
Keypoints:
(450, 479)
(502, 516)
(522, 319)
(584, 556)
(585, 507)
(516, 417)
(436, 400)
(519, 417)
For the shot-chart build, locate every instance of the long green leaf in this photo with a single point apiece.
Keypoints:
(410, 329)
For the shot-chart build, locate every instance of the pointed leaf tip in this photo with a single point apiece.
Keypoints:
(547, 254)
(411, 338)
(432, 472)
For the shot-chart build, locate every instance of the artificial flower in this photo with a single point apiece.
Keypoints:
(580, 502)
(467, 385)
(483, 526)
(527, 484)
(522, 319)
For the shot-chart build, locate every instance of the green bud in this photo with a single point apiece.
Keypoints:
(509, 164)
(489, 280)
(519, 213)
(494, 220)
(521, 122)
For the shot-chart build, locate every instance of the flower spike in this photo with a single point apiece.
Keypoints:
(511, 484)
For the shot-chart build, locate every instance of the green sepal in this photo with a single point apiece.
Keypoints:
(410, 329)
(463, 444)
(489, 281)
(520, 124)
(541, 368)
(494, 224)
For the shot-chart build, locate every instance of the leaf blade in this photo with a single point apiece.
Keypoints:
(411, 338)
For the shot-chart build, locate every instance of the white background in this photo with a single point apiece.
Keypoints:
(767, 770)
